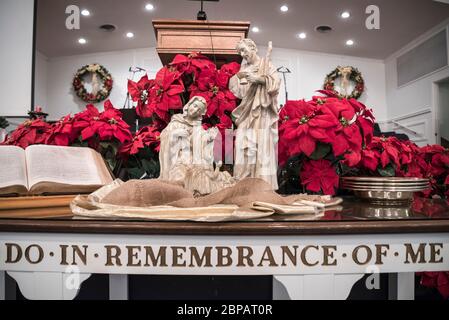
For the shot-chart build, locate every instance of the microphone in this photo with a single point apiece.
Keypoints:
(136, 69)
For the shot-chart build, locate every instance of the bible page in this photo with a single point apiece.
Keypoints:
(66, 165)
(12, 167)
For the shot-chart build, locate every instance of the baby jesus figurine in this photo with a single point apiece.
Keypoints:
(187, 152)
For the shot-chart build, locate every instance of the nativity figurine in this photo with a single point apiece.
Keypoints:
(257, 84)
(187, 152)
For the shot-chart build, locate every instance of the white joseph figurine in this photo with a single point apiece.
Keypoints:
(257, 84)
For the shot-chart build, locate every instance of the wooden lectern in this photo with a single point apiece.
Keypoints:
(215, 39)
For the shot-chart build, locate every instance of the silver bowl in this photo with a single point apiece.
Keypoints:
(385, 191)
(386, 198)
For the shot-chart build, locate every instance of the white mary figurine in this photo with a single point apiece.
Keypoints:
(187, 151)
(257, 84)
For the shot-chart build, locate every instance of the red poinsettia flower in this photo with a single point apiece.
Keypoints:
(213, 86)
(303, 124)
(389, 151)
(200, 62)
(365, 119)
(181, 62)
(438, 280)
(348, 137)
(86, 118)
(194, 63)
(106, 125)
(63, 133)
(165, 94)
(114, 126)
(140, 92)
(229, 69)
(370, 159)
(28, 133)
(440, 163)
(319, 175)
(355, 125)
(433, 149)
(148, 136)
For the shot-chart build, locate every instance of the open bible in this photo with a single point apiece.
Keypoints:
(42, 169)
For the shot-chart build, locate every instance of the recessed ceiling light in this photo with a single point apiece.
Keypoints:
(345, 15)
(130, 35)
(85, 12)
(350, 42)
(323, 29)
(302, 35)
(284, 8)
(255, 29)
(82, 41)
(149, 7)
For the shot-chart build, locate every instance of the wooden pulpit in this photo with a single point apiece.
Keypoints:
(214, 39)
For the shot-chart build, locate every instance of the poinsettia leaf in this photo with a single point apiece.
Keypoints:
(321, 151)
(388, 171)
(151, 167)
(112, 162)
(135, 172)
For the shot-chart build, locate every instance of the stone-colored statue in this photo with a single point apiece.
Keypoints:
(257, 84)
(345, 81)
(187, 152)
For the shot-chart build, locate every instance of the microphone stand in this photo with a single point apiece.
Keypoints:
(133, 71)
(284, 70)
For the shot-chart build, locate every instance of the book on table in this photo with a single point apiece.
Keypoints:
(51, 170)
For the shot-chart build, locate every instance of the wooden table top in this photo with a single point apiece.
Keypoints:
(424, 216)
(227, 228)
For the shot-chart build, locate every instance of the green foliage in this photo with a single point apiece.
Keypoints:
(388, 171)
(321, 151)
(3, 123)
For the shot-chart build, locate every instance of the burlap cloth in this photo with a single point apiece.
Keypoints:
(160, 200)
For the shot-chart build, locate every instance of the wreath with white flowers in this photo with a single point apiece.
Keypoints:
(101, 83)
(349, 74)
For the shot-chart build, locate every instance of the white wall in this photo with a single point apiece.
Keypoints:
(41, 80)
(414, 105)
(61, 99)
(308, 72)
(16, 39)
(443, 111)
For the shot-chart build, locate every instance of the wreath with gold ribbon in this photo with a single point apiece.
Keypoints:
(346, 74)
(101, 83)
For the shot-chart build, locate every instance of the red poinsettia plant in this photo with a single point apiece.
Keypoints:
(183, 78)
(391, 157)
(327, 135)
(158, 99)
(141, 154)
(103, 131)
(28, 133)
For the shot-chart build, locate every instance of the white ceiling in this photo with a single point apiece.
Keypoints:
(401, 22)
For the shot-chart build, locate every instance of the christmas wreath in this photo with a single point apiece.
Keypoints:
(346, 74)
(101, 83)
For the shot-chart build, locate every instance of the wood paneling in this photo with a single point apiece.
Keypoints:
(215, 39)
